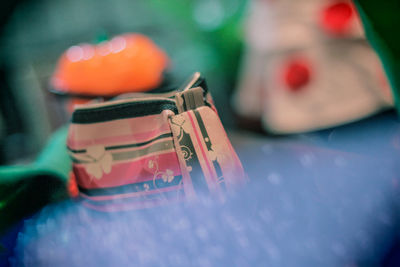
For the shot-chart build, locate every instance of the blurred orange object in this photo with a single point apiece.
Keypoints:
(126, 63)
(72, 186)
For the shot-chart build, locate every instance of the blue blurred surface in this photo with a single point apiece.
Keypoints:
(329, 198)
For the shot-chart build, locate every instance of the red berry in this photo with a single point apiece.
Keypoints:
(336, 18)
(296, 75)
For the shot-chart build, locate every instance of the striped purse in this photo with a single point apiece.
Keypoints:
(144, 150)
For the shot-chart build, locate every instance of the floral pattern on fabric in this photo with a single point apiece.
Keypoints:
(167, 176)
(180, 129)
(101, 161)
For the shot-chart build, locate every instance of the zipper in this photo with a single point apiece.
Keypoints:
(109, 111)
(190, 96)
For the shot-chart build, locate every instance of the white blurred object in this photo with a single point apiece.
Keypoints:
(308, 66)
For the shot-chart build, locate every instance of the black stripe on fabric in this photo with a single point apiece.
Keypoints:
(221, 178)
(208, 143)
(122, 111)
(130, 188)
(198, 180)
(126, 146)
(170, 195)
(203, 129)
(140, 144)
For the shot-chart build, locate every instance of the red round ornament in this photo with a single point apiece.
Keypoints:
(336, 18)
(296, 74)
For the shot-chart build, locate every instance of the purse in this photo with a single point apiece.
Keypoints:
(144, 150)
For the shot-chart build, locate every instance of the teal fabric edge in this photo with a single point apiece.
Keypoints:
(388, 59)
(52, 161)
(25, 189)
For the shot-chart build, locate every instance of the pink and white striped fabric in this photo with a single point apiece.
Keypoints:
(143, 152)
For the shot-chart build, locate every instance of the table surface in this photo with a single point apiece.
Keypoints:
(326, 198)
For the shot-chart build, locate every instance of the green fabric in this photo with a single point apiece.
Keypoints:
(381, 23)
(25, 189)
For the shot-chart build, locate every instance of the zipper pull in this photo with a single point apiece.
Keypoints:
(189, 99)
